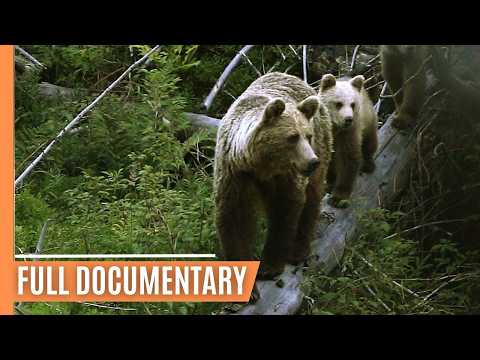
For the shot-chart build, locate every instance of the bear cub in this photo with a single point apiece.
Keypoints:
(273, 150)
(355, 124)
(402, 70)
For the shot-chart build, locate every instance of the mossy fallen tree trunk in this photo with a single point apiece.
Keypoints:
(393, 161)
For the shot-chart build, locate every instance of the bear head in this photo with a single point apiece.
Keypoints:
(342, 99)
(282, 142)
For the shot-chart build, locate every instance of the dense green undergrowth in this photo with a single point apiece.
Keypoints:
(385, 272)
(133, 178)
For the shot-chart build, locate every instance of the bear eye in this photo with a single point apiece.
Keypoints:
(292, 139)
(309, 138)
(338, 105)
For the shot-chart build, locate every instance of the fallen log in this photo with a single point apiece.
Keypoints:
(50, 90)
(202, 121)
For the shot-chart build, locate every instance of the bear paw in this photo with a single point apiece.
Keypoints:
(338, 202)
(368, 166)
(403, 121)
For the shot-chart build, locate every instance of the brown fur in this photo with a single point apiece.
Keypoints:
(263, 173)
(354, 145)
(399, 64)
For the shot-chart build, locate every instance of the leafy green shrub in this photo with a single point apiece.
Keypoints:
(384, 273)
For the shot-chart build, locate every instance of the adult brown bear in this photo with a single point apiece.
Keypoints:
(273, 149)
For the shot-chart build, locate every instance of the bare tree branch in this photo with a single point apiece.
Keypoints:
(295, 52)
(226, 73)
(380, 99)
(354, 57)
(305, 77)
(30, 57)
(41, 240)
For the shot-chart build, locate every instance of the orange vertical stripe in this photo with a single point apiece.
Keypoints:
(7, 274)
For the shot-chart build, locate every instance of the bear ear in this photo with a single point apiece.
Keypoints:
(274, 109)
(328, 81)
(309, 106)
(357, 82)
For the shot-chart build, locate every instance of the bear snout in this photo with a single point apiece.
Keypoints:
(348, 121)
(312, 166)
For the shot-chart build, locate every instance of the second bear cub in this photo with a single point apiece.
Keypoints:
(402, 68)
(355, 139)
